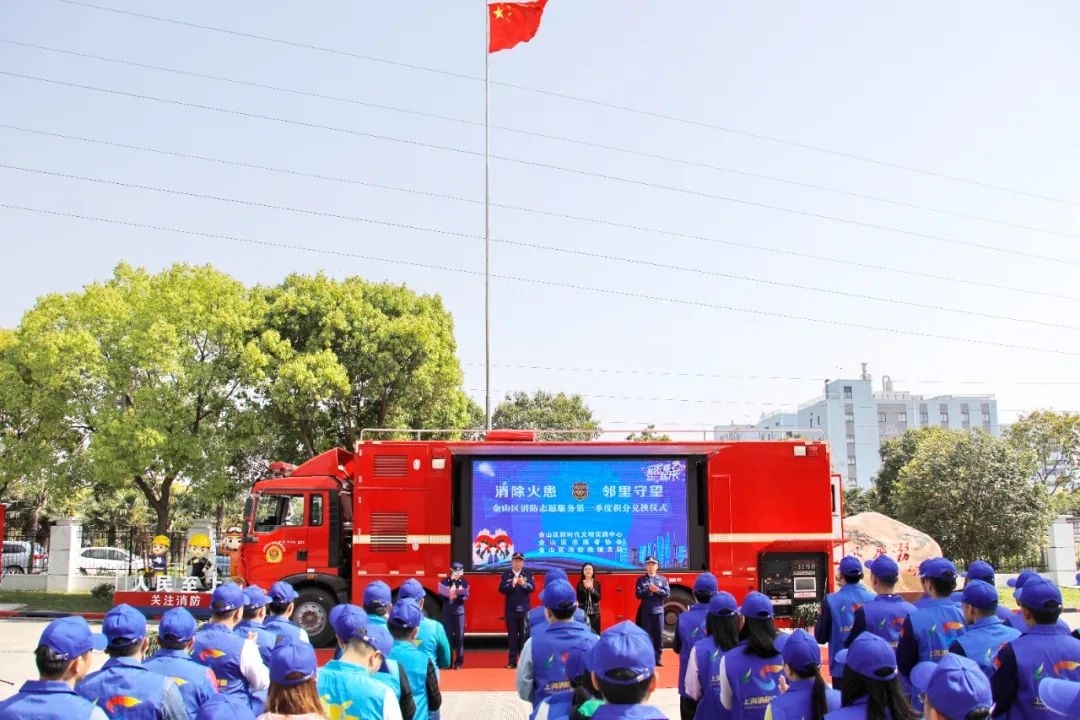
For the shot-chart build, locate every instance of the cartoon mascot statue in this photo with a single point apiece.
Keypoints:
(200, 565)
(234, 537)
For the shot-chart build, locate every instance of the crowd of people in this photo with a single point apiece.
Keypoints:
(951, 655)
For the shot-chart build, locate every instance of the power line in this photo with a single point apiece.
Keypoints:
(548, 213)
(535, 246)
(559, 168)
(548, 136)
(552, 283)
(588, 101)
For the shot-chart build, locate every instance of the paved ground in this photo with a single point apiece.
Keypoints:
(18, 637)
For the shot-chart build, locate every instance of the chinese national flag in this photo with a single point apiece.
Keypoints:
(513, 23)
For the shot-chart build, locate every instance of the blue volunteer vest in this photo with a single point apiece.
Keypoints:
(219, 648)
(1044, 651)
(754, 680)
(707, 658)
(796, 703)
(349, 690)
(282, 626)
(842, 606)
(124, 688)
(690, 629)
(559, 705)
(390, 676)
(885, 616)
(196, 682)
(607, 711)
(982, 641)
(854, 711)
(1016, 620)
(936, 626)
(265, 639)
(432, 639)
(415, 662)
(46, 700)
(548, 651)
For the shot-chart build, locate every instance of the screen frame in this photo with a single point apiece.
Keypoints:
(695, 519)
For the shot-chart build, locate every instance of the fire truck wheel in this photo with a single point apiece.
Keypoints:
(312, 612)
(677, 603)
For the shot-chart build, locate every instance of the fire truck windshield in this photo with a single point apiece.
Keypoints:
(611, 512)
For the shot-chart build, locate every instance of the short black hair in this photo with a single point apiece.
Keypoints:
(50, 665)
(617, 694)
(397, 632)
(251, 612)
(275, 608)
(563, 614)
(853, 579)
(171, 643)
(1045, 617)
(375, 608)
(943, 587)
(124, 650)
(704, 597)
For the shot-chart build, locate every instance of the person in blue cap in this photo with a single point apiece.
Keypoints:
(279, 611)
(1061, 696)
(517, 585)
(391, 673)
(235, 660)
(377, 600)
(123, 687)
(925, 599)
(689, 629)
(431, 634)
(624, 671)
(403, 623)
(196, 682)
(757, 657)
(294, 693)
(454, 589)
(982, 570)
(986, 632)
(702, 680)
(537, 619)
(653, 590)
(347, 685)
(930, 630)
(581, 698)
(954, 689)
(63, 657)
(1017, 618)
(541, 671)
(837, 616)
(807, 697)
(871, 687)
(1045, 650)
(252, 625)
(884, 615)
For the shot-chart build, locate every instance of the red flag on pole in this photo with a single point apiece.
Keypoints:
(513, 23)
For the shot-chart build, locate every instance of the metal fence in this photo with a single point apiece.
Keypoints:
(125, 550)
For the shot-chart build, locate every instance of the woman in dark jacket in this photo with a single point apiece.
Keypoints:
(588, 595)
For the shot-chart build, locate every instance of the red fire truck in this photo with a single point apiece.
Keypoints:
(761, 515)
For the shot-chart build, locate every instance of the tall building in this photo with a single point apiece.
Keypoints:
(854, 419)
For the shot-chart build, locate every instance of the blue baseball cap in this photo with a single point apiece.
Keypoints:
(980, 570)
(555, 574)
(381, 639)
(1018, 582)
(1061, 696)
(955, 686)
(802, 653)
(177, 624)
(757, 605)
(870, 656)
(351, 622)
(883, 567)
(723, 604)
(405, 614)
(70, 637)
(411, 589)
(980, 594)
(850, 565)
(292, 663)
(1040, 594)
(256, 597)
(225, 707)
(624, 646)
(227, 597)
(377, 593)
(282, 593)
(938, 569)
(559, 595)
(577, 657)
(123, 626)
(705, 584)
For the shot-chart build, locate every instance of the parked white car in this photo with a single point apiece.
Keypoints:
(109, 561)
(17, 557)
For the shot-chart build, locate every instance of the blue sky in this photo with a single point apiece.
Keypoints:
(979, 90)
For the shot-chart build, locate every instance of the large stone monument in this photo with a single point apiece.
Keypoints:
(870, 534)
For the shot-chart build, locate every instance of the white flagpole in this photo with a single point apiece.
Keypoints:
(487, 227)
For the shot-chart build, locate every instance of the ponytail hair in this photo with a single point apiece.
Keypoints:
(819, 699)
(886, 700)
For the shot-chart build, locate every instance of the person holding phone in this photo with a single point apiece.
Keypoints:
(588, 595)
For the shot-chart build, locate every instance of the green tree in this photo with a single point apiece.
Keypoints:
(1054, 439)
(150, 371)
(859, 500)
(974, 494)
(896, 452)
(546, 411)
(649, 434)
(343, 355)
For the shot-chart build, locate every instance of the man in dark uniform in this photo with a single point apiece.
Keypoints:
(652, 589)
(517, 585)
(455, 588)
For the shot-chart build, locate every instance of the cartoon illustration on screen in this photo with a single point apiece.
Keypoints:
(504, 546)
(483, 548)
